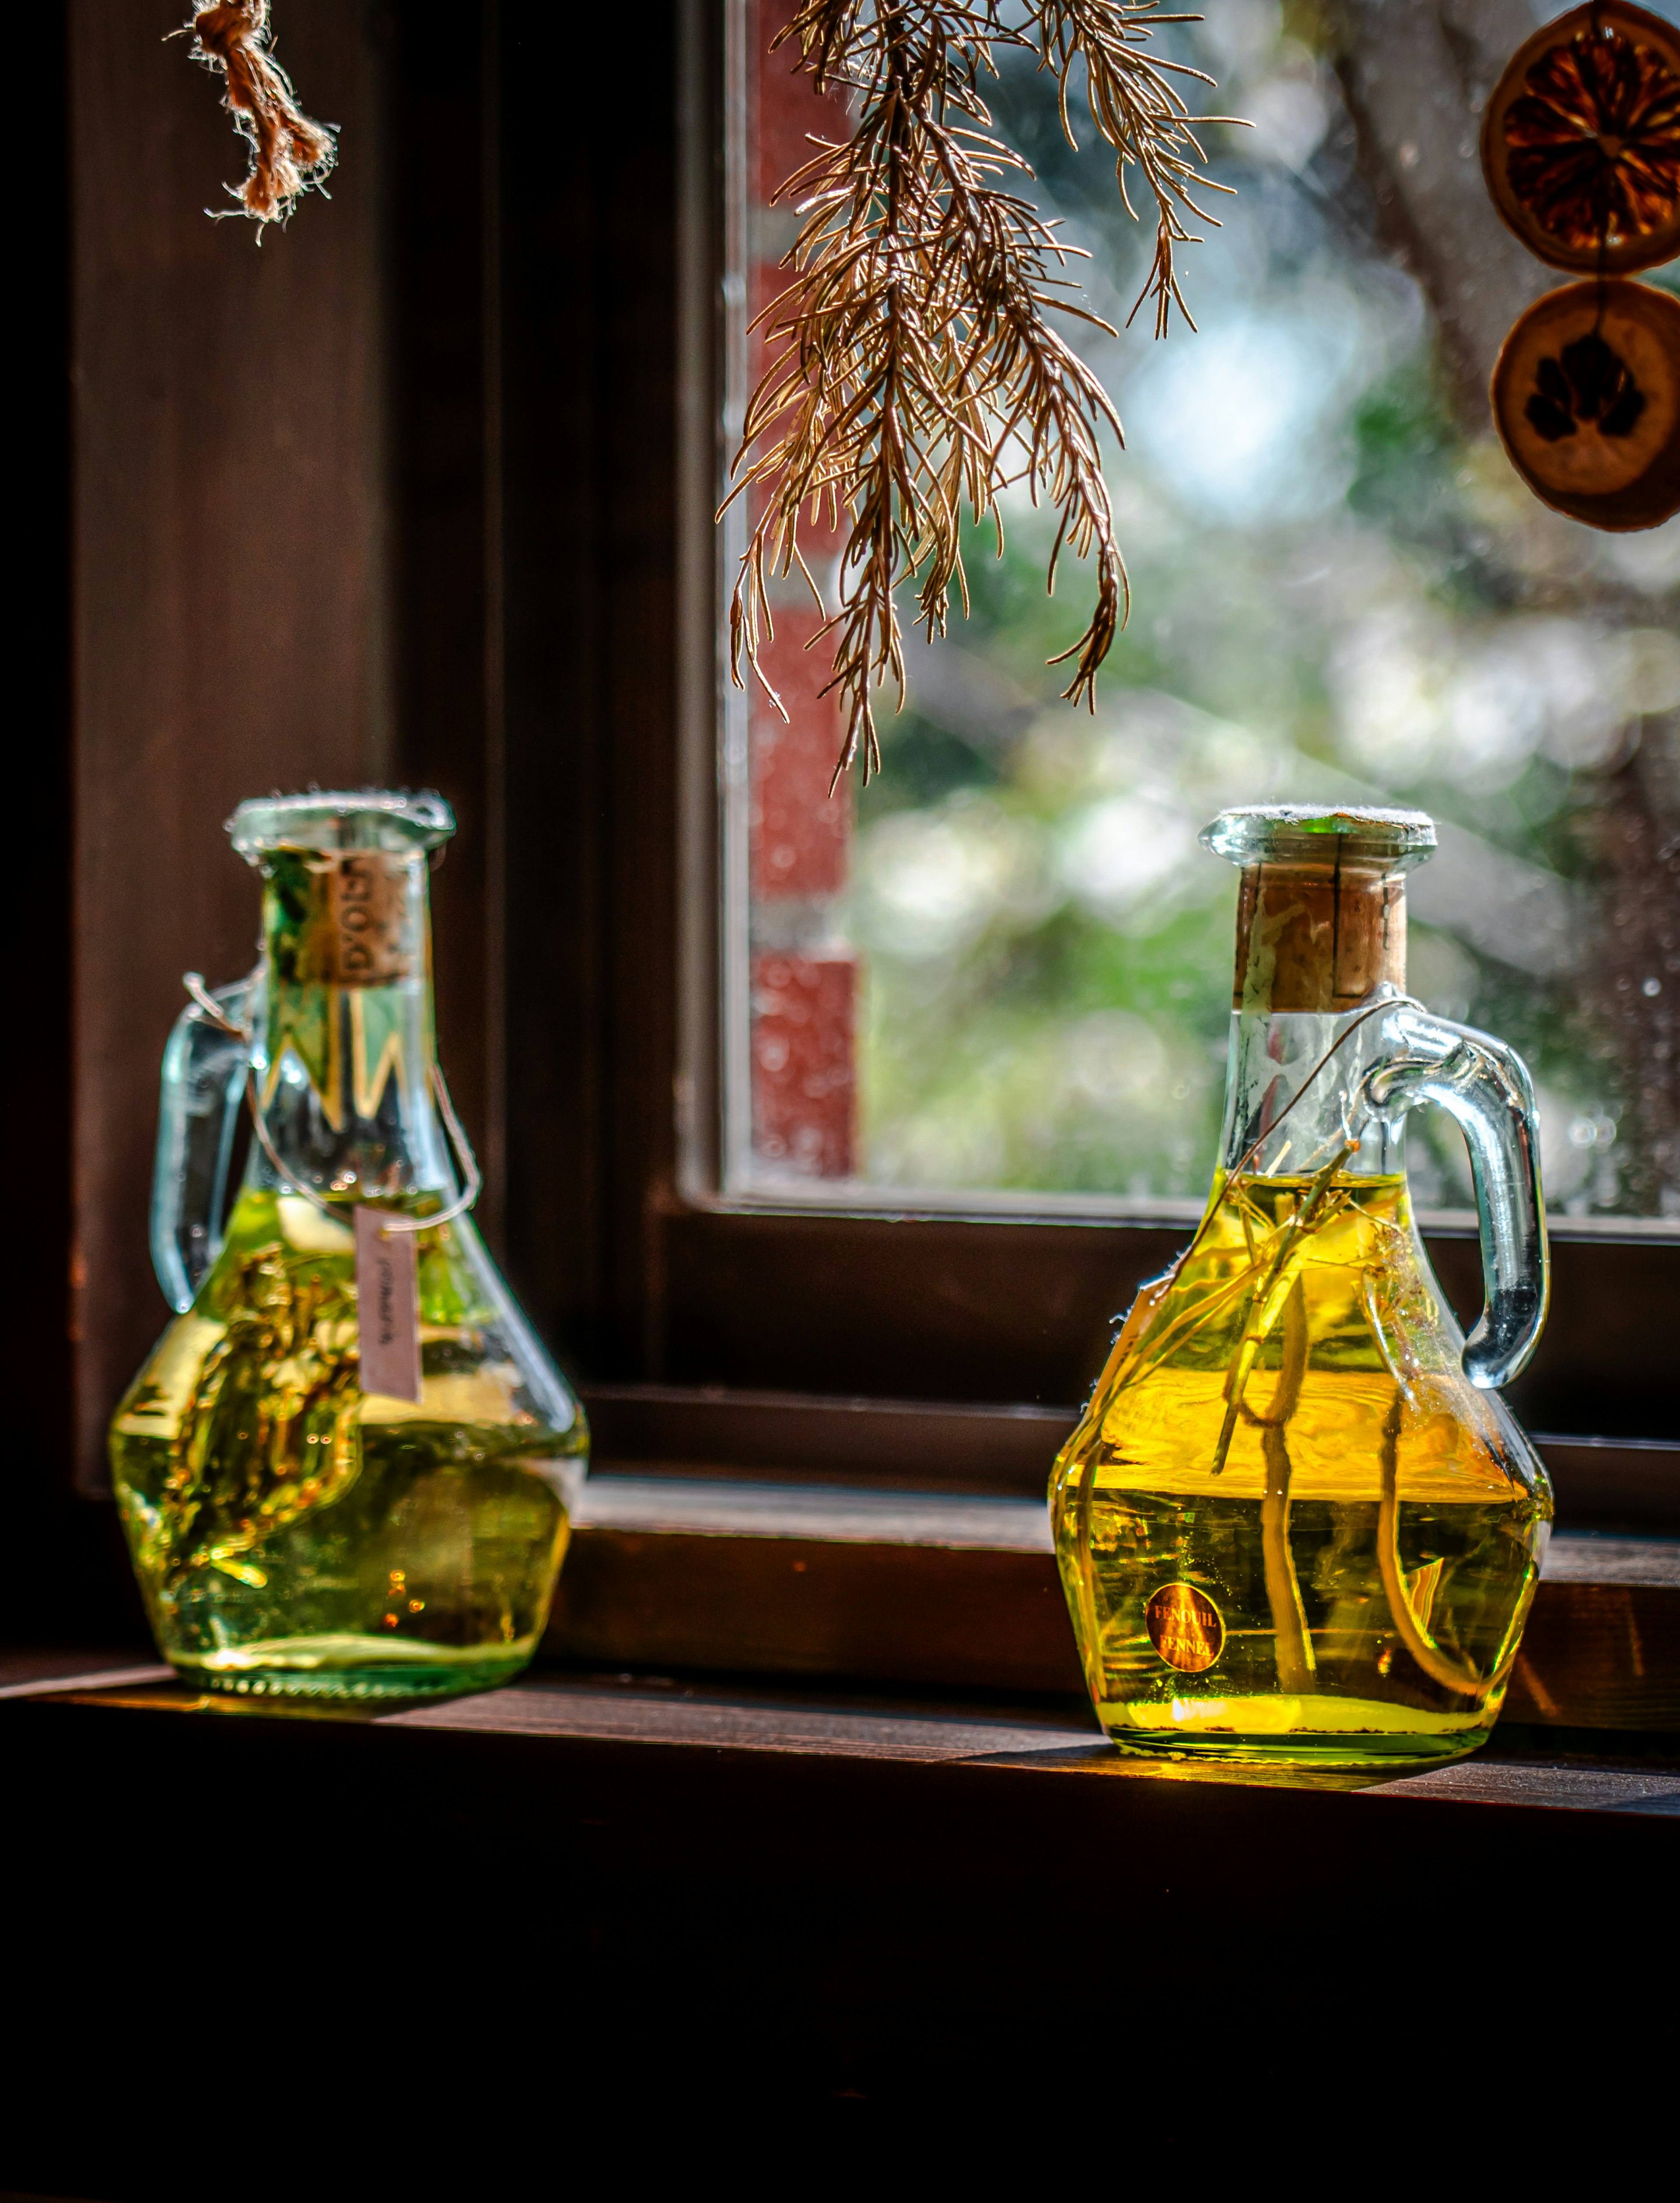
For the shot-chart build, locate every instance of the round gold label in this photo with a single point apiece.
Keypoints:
(1184, 1626)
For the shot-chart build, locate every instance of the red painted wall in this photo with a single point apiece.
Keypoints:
(804, 1005)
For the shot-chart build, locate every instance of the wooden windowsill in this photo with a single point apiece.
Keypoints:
(931, 1590)
(554, 1710)
(747, 1577)
(753, 1895)
(974, 1446)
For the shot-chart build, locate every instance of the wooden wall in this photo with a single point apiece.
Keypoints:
(290, 518)
(231, 514)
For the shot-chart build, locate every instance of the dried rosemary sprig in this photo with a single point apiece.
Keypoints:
(289, 154)
(917, 369)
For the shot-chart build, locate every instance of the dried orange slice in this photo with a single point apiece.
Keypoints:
(1581, 142)
(1586, 401)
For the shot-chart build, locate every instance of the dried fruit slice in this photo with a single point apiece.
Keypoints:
(1586, 401)
(1581, 142)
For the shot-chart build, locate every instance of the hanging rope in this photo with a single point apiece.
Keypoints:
(289, 154)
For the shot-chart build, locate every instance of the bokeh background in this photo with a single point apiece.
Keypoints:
(1340, 590)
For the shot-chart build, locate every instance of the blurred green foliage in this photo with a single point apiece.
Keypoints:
(1341, 591)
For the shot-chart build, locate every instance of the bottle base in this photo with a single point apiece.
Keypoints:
(1303, 1731)
(351, 1669)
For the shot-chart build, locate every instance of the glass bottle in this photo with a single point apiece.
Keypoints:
(292, 1532)
(1296, 1524)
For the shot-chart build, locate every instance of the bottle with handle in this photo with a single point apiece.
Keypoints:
(1295, 1525)
(205, 1066)
(348, 1468)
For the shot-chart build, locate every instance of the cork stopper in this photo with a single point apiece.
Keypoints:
(344, 918)
(1320, 913)
(345, 878)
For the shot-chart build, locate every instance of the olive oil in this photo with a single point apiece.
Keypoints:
(293, 1535)
(1295, 1524)
(1288, 1524)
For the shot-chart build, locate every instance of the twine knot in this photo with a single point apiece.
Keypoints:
(289, 153)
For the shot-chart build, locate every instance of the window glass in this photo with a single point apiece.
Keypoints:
(1000, 974)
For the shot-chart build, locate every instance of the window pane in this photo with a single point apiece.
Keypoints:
(1005, 969)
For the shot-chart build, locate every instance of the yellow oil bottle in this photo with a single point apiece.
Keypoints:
(1295, 1525)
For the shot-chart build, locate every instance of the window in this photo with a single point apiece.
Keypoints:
(806, 1248)
(497, 573)
(998, 977)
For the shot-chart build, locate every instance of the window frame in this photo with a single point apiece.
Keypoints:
(1010, 1299)
(552, 439)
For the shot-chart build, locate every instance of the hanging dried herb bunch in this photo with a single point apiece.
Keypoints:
(289, 154)
(915, 369)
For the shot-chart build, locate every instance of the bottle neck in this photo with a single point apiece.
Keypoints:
(1293, 1093)
(343, 1046)
(1320, 940)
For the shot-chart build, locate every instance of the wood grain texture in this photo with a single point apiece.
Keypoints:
(689, 1715)
(740, 1721)
(932, 1589)
(230, 512)
(1043, 1736)
(837, 1514)
(608, 1901)
(929, 1590)
(977, 1446)
(446, 572)
(28, 1670)
(922, 1444)
(89, 1678)
(937, 1307)
(1599, 1656)
(589, 397)
(885, 1612)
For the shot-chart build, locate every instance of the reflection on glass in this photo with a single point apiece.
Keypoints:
(1341, 591)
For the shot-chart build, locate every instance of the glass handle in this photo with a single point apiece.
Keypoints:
(204, 1067)
(1484, 1086)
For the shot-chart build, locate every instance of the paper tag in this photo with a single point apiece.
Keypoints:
(387, 1306)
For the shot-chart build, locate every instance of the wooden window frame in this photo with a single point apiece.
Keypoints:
(756, 1292)
(550, 324)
